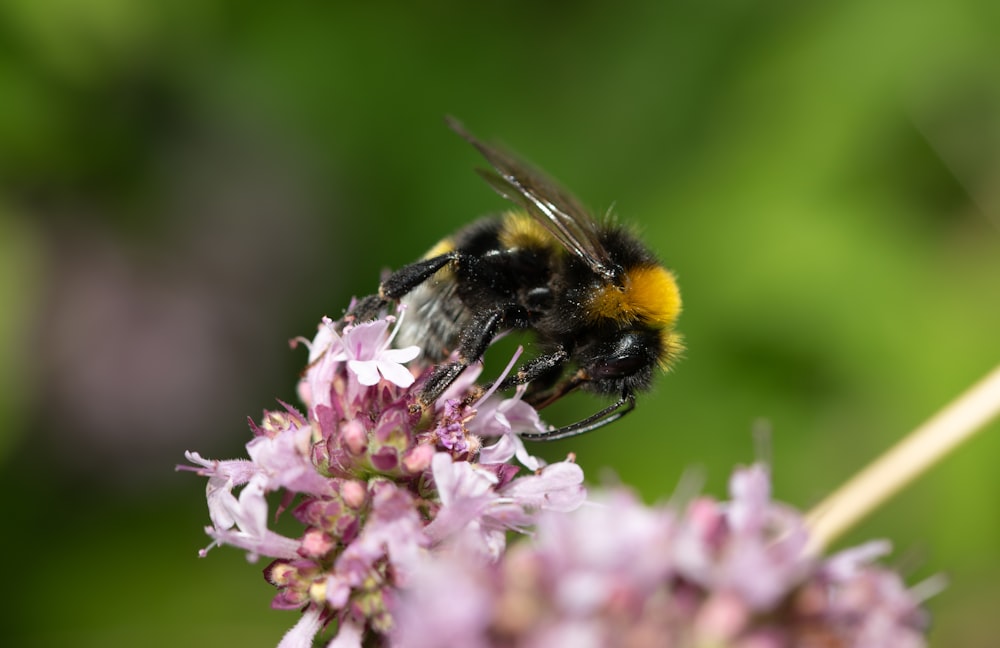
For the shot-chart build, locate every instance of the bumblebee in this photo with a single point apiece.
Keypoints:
(602, 308)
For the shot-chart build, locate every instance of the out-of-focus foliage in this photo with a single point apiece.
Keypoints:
(186, 185)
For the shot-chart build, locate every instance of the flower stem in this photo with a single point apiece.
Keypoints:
(903, 463)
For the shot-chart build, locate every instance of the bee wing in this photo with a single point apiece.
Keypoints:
(555, 208)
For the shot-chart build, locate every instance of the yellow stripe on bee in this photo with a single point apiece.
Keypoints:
(444, 246)
(521, 231)
(649, 295)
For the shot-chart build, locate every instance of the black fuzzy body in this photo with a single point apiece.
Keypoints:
(539, 288)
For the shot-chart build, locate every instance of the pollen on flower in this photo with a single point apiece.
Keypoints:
(317, 592)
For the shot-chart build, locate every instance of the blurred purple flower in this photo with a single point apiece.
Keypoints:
(477, 511)
(616, 572)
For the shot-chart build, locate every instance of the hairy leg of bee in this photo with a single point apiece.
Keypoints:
(367, 308)
(475, 339)
(409, 277)
(535, 368)
(609, 414)
(398, 284)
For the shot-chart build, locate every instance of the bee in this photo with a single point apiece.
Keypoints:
(601, 306)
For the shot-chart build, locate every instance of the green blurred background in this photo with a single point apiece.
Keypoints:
(184, 186)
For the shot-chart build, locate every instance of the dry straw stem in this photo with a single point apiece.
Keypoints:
(888, 474)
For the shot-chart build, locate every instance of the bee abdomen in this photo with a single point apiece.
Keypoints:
(434, 318)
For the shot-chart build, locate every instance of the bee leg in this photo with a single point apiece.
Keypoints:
(546, 394)
(409, 277)
(609, 414)
(367, 308)
(473, 344)
(440, 379)
(542, 372)
(398, 284)
(536, 368)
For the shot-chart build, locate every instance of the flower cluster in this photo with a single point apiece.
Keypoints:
(377, 482)
(618, 573)
(405, 515)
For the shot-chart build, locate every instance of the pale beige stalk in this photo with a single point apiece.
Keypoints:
(900, 465)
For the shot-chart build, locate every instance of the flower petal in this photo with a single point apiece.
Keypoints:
(395, 373)
(365, 370)
(302, 635)
(400, 355)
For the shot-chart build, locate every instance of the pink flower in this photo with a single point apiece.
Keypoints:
(248, 513)
(377, 488)
(405, 517)
(616, 572)
(284, 459)
(366, 348)
(751, 544)
(393, 532)
(459, 606)
(476, 513)
(303, 633)
(323, 352)
(506, 419)
(466, 491)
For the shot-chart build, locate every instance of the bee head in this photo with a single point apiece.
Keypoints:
(625, 360)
